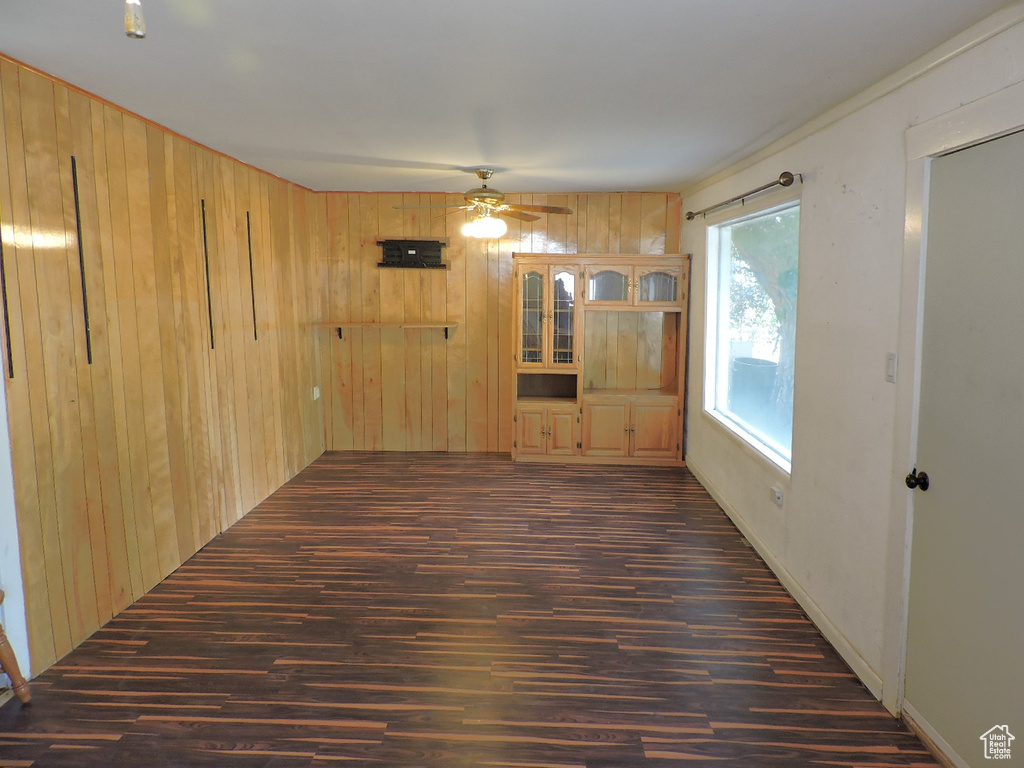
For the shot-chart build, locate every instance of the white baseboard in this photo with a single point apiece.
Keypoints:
(838, 640)
(944, 753)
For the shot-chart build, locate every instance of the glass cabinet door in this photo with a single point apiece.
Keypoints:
(563, 316)
(533, 318)
(657, 286)
(607, 284)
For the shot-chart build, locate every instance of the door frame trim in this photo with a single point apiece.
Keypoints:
(990, 117)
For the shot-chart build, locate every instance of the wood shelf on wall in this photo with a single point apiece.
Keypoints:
(341, 325)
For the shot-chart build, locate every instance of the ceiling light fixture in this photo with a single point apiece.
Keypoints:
(484, 226)
(134, 24)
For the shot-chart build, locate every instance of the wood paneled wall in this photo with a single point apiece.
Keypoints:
(127, 465)
(631, 350)
(410, 389)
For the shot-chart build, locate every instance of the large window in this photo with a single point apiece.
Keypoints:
(751, 327)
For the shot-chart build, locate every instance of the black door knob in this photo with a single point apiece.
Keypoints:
(917, 480)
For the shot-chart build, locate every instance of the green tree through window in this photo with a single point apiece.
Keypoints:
(754, 335)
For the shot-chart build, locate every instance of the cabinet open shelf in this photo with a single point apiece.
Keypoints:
(561, 386)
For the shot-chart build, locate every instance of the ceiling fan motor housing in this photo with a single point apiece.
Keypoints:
(485, 196)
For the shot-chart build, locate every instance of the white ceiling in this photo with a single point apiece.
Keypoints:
(407, 95)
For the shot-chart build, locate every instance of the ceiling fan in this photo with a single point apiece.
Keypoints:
(486, 203)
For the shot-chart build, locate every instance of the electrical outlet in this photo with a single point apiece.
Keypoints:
(777, 496)
(316, 393)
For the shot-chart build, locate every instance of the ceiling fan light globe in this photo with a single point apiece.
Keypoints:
(491, 227)
(484, 228)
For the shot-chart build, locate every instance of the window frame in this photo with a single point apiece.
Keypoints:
(714, 340)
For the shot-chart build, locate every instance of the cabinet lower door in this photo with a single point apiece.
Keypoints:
(562, 432)
(605, 429)
(655, 434)
(531, 433)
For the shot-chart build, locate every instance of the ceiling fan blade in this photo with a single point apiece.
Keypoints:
(540, 208)
(519, 215)
(437, 205)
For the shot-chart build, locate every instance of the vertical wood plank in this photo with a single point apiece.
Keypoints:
(357, 312)
(123, 340)
(97, 438)
(414, 338)
(312, 213)
(492, 421)
(84, 519)
(108, 401)
(27, 406)
(339, 307)
(271, 313)
(615, 225)
(186, 292)
(596, 238)
(504, 319)
(62, 436)
(673, 223)
(459, 252)
(626, 351)
(373, 423)
(439, 228)
(160, 543)
(270, 334)
(611, 375)
(649, 350)
(394, 393)
(595, 344)
(573, 224)
(427, 314)
(222, 472)
(653, 217)
(164, 212)
(475, 291)
(629, 232)
(670, 344)
(282, 227)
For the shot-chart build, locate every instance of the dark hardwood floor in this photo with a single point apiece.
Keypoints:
(451, 610)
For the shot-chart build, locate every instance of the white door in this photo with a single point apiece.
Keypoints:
(965, 644)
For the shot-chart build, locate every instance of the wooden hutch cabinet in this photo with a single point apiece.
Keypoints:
(600, 367)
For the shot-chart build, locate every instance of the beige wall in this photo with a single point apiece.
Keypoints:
(840, 543)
